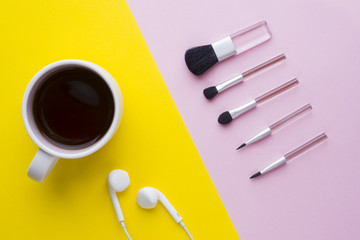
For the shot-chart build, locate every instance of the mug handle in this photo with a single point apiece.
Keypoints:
(41, 166)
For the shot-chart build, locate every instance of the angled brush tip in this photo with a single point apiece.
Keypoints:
(210, 92)
(199, 59)
(241, 146)
(225, 118)
(255, 175)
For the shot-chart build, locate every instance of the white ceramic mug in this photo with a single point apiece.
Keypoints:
(48, 153)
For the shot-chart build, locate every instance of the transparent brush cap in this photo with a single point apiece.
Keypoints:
(241, 41)
(250, 37)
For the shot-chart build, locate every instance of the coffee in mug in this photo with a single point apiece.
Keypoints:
(71, 108)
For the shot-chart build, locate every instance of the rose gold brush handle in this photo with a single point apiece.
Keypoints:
(269, 130)
(276, 91)
(291, 155)
(228, 116)
(306, 146)
(289, 117)
(239, 78)
(264, 65)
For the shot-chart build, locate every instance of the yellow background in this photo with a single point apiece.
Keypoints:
(152, 142)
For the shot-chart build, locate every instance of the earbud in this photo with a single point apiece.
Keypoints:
(118, 181)
(148, 197)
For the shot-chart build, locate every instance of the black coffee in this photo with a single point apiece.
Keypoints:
(73, 108)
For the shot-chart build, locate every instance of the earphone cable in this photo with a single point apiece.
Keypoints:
(126, 232)
(186, 230)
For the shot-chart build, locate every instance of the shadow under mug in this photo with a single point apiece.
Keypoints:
(48, 153)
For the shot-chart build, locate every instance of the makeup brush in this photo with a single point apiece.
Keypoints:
(273, 127)
(287, 157)
(211, 92)
(228, 116)
(199, 59)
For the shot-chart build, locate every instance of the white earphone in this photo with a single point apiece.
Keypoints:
(148, 197)
(118, 181)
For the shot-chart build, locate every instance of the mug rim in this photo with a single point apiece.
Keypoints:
(81, 152)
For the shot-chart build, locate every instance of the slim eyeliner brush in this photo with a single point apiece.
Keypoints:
(228, 116)
(273, 127)
(287, 157)
(211, 92)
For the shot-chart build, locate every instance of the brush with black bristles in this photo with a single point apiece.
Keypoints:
(199, 59)
(275, 126)
(211, 92)
(287, 157)
(228, 116)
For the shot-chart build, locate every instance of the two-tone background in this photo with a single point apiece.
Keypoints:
(169, 137)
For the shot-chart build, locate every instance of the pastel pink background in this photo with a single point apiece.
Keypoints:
(316, 195)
